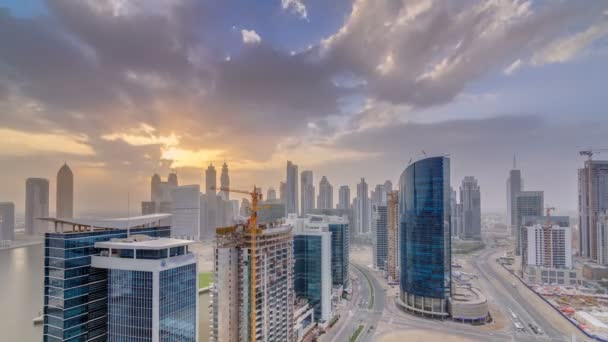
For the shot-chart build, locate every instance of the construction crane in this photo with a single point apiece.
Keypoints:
(548, 238)
(392, 229)
(590, 207)
(252, 227)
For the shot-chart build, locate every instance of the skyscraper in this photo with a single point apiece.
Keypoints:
(514, 186)
(326, 194)
(344, 197)
(156, 193)
(602, 238)
(7, 221)
(424, 189)
(225, 182)
(36, 205)
(172, 179)
(388, 186)
(65, 192)
(379, 195)
(186, 212)
(363, 208)
(152, 290)
(291, 189)
(470, 198)
(308, 192)
(380, 236)
(593, 200)
(271, 194)
(527, 203)
(210, 180)
(282, 193)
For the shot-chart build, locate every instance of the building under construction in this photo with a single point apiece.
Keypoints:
(232, 309)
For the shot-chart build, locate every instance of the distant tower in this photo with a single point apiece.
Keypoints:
(291, 188)
(172, 180)
(225, 182)
(470, 198)
(36, 205)
(65, 193)
(308, 192)
(282, 189)
(344, 197)
(271, 194)
(326, 194)
(363, 208)
(210, 180)
(156, 192)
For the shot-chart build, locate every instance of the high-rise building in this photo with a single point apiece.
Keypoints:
(210, 180)
(515, 185)
(527, 203)
(36, 205)
(344, 197)
(273, 285)
(152, 290)
(379, 195)
(363, 208)
(271, 194)
(291, 189)
(172, 179)
(602, 238)
(530, 221)
(380, 236)
(388, 186)
(282, 193)
(65, 192)
(155, 190)
(77, 296)
(312, 271)
(559, 254)
(7, 221)
(307, 192)
(470, 198)
(453, 213)
(424, 189)
(186, 212)
(225, 182)
(245, 210)
(326, 194)
(593, 200)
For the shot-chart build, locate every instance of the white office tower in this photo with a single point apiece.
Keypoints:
(555, 253)
(527, 203)
(36, 205)
(7, 221)
(307, 192)
(65, 193)
(602, 238)
(344, 197)
(326, 195)
(186, 212)
(273, 314)
(470, 198)
(593, 200)
(152, 291)
(225, 182)
(363, 208)
(380, 223)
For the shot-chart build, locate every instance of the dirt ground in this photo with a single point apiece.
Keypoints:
(420, 336)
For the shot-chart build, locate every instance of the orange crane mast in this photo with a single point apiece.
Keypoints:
(252, 226)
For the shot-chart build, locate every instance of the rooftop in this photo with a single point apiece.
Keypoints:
(115, 223)
(139, 242)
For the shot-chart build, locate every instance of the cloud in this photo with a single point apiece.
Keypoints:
(143, 135)
(513, 67)
(250, 37)
(21, 143)
(296, 7)
(565, 49)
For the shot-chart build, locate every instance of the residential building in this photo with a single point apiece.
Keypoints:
(291, 189)
(36, 205)
(530, 221)
(527, 203)
(470, 198)
(555, 253)
(76, 298)
(325, 200)
(152, 289)
(424, 189)
(593, 200)
(273, 284)
(343, 197)
(363, 208)
(7, 221)
(308, 192)
(225, 183)
(312, 271)
(65, 192)
(380, 233)
(186, 212)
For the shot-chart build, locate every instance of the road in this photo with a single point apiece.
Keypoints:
(507, 298)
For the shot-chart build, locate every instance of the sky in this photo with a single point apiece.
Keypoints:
(123, 89)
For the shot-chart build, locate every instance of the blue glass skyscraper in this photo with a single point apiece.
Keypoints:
(340, 246)
(424, 189)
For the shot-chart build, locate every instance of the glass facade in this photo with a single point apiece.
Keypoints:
(308, 277)
(424, 190)
(129, 306)
(75, 294)
(340, 246)
(177, 304)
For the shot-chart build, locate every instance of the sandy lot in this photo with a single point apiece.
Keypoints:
(420, 336)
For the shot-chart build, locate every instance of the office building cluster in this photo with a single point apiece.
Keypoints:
(466, 213)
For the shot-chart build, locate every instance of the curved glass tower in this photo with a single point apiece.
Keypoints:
(424, 190)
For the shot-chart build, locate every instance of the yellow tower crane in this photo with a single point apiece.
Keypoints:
(252, 227)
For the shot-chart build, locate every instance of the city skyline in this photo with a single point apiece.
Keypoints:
(352, 113)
